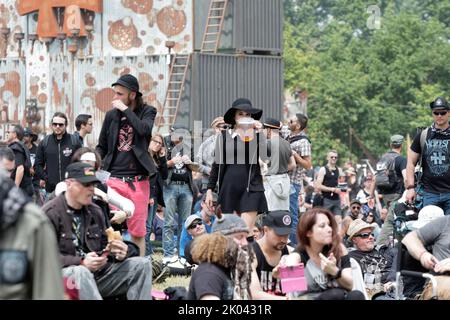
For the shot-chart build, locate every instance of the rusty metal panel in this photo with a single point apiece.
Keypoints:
(12, 93)
(92, 81)
(141, 27)
(218, 79)
(249, 25)
(10, 19)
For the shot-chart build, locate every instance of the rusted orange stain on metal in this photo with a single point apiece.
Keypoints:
(47, 23)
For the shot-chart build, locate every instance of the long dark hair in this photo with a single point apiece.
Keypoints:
(306, 223)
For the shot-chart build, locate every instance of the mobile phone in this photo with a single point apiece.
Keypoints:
(103, 253)
(293, 278)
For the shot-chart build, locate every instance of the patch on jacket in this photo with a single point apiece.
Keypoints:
(67, 152)
(13, 266)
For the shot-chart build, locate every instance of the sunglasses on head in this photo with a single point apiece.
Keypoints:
(55, 124)
(365, 235)
(440, 113)
(195, 224)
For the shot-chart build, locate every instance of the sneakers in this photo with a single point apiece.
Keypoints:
(159, 271)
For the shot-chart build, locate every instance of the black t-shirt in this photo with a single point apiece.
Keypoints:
(21, 160)
(210, 279)
(264, 271)
(435, 161)
(125, 163)
(180, 170)
(399, 166)
(375, 266)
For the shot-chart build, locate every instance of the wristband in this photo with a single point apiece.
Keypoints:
(338, 274)
(409, 187)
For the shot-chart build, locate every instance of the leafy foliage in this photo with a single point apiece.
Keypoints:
(377, 81)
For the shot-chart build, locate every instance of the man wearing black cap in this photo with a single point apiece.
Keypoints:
(97, 267)
(123, 144)
(432, 146)
(271, 247)
(277, 183)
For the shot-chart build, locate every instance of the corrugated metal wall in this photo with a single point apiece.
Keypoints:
(249, 25)
(259, 25)
(217, 80)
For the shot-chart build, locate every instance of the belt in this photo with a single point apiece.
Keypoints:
(130, 180)
(179, 182)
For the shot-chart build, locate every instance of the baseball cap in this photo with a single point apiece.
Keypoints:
(427, 214)
(280, 221)
(397, 139)
(191, 219)
(130, 82)
(82, 172)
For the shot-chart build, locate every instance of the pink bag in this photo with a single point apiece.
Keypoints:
(293, 278)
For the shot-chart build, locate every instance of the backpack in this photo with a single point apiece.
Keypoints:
(385, 176)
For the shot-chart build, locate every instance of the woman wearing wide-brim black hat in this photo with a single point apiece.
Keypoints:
(236, 164)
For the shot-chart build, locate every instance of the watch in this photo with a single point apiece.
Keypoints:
(409, 187)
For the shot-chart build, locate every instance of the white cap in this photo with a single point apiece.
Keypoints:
(427, 214)
(88, 156)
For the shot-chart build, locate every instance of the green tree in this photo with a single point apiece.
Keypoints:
(376, 81)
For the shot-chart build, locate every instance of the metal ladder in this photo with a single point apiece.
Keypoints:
(177, 78)
(214, 23)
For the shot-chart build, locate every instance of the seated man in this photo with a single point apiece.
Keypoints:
(97, 267)
(271, 247)
(206, 215)
(355, 213)
(194, 227)
(376, 263)
(435, 234)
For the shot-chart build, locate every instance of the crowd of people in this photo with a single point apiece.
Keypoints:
(239, 210)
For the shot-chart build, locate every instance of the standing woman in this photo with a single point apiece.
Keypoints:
(158, 155)
(327, 264)
(236, 164)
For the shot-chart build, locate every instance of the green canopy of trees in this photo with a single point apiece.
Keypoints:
(377, 81)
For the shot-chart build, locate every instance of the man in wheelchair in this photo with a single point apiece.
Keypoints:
(434, 235)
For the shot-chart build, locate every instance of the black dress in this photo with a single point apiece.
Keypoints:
(241, 188)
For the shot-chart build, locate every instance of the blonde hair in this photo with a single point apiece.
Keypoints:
(210, 248)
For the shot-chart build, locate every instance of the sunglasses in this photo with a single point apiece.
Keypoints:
(157, 142)
(55, 124)
(440, 113)
(332, 157)
(88, 184)
(356, 207)
(365, 235)
(194, 225)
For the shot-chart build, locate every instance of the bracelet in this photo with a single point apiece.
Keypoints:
(338, 274)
